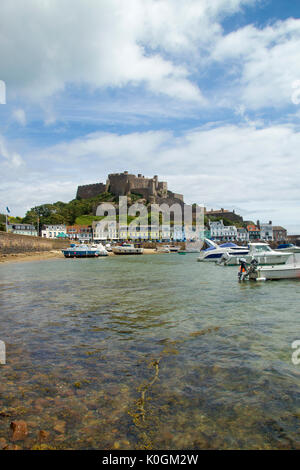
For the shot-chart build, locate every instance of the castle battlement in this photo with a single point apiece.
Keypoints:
(123, 184)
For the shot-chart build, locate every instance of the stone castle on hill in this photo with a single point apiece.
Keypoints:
(124, 184)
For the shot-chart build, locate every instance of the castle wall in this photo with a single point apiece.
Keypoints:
(121, 184)
(90, 190)
(175, 195)
(144, 192)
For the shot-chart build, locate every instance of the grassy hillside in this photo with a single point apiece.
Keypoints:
(87, 219)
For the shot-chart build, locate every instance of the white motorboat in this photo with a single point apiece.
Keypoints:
(82, 251)
(127, 249)
(163, 249)
(172, 248)
(100, 249)
(215, 252)
(289, 270)
(289, 247)
(261, 252)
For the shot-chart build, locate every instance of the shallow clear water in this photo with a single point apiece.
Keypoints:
(155, 352)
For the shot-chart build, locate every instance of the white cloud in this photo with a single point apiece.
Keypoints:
(265, 63)
(19, 116)
(107, 43)
(8, 159)
(226, 166)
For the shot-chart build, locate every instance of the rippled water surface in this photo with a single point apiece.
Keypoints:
(156, 352)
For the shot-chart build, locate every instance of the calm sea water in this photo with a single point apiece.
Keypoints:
(156, 352)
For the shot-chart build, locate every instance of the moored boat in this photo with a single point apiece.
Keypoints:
(215, 252)
(163, 249)
(127, 249)
(288, 247)
(289, 270)
(81, 251)
(261, 252)
(99, 247)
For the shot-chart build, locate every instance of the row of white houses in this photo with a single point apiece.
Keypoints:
(112, 231)
(219, 231)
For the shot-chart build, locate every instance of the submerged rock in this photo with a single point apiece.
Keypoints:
(12, 447)
(43, 435)
(60, 427)
(19, 430)
(3, 443)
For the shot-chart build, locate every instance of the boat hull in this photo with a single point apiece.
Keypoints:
(294, 249)
(280, 272)
(130, 251)
(281, 258)
(71, 254)
(212, 257)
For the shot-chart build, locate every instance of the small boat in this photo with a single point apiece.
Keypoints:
(289, 270)
(127, 249)
(215, 252)
(288, 247)
(81, 251)
(163, 249)
(172, 248)
(261, 252)
(99, 247)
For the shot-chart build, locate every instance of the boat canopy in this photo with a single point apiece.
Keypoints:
(228, 245)
(211, 248)
(285, 245)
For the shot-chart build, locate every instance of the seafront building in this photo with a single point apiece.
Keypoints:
(22, 229)
(279, 233)
(253, 232)
(266, 231)
(242, 235)
(112, 231)
(106, 231)
(81, 233)
(54, 231)
(221, 232)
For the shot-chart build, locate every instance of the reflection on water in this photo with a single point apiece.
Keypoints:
(156, 352)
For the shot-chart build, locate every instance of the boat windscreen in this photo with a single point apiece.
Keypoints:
(228, 245)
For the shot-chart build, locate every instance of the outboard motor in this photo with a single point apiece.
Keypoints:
(243, 271)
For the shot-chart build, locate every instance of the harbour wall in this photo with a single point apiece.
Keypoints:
(13, 243)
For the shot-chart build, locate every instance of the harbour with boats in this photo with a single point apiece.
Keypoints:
(109, 348)
(86, 337)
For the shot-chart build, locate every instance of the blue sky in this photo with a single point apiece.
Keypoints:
(204, 94)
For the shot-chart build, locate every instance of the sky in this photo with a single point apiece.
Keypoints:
(205, 94)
